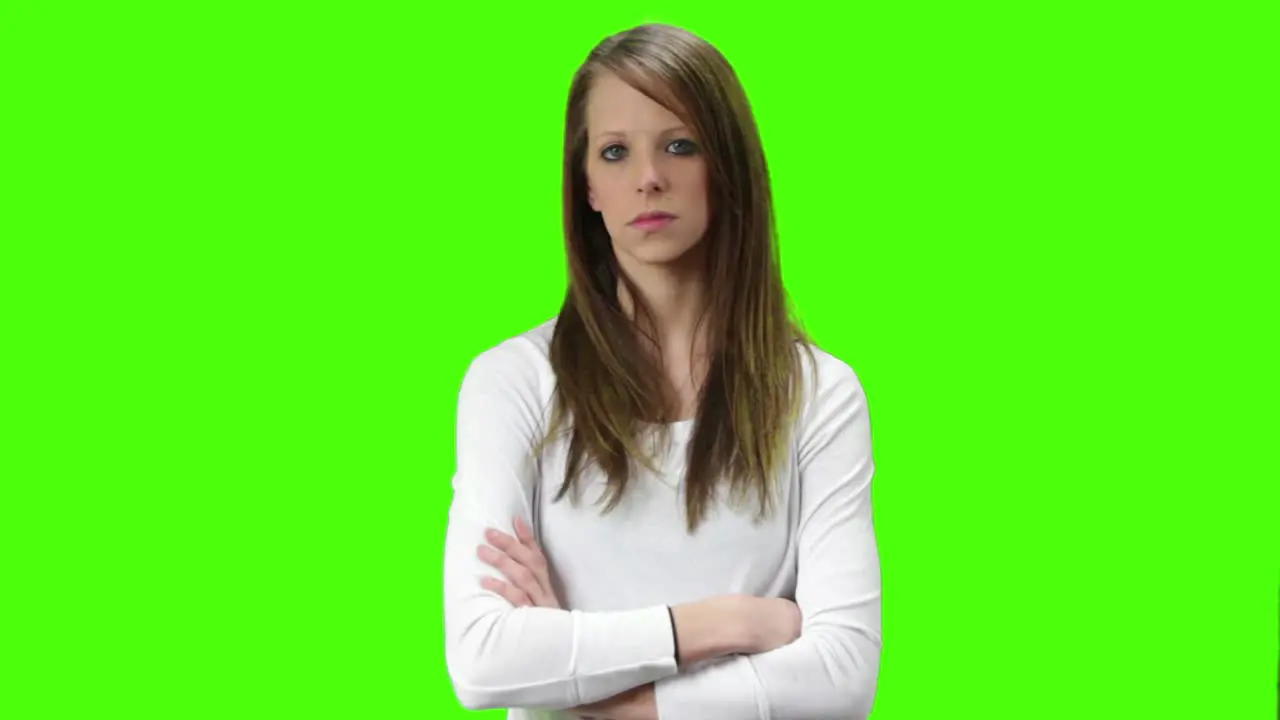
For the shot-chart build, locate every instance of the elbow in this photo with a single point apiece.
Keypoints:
(852, 664)
(472, 683)
(860, 696)
(852, 697)
(476, 701)
(472, 671)
(858, 701)
(487, 683)
(490, 674)
(477, 670)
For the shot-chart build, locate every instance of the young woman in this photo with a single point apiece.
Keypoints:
(662, 505)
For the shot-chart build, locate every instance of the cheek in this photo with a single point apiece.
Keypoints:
(598, 192)
(700, 192)
(695, 183)
(607, 200)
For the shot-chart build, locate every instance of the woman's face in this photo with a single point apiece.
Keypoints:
(642, 159)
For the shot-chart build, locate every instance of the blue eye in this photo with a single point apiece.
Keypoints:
(616, 152)
(688, 148)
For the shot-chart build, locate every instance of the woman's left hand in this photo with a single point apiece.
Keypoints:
(522, 563)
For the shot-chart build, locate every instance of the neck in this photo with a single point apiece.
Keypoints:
(676, 298)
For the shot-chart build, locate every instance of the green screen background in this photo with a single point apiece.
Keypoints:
(248, 252)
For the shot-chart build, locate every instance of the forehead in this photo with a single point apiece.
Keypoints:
(614, 106)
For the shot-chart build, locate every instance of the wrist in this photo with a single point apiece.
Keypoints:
(711, 628)
(739, 619)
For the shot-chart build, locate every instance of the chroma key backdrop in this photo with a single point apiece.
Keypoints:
(248, 250)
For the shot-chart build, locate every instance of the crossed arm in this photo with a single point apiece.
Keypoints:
(621, 664)
(705, 630)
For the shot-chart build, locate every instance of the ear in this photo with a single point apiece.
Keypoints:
(591, 199)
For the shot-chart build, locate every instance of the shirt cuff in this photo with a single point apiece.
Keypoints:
(675, 639)
(615, 654)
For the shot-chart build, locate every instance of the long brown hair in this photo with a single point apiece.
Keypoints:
(607, 384)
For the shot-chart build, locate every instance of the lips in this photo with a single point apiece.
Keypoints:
(651, 217)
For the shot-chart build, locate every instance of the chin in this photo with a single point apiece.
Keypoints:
(658, 250)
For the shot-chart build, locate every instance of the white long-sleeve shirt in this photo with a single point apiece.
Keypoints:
(618, 571)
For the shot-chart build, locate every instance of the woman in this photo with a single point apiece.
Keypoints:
(670, 445)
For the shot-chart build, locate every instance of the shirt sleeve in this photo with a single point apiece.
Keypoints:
(500, 656)
(832, 669)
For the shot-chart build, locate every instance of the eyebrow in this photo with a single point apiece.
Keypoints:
(668, 131)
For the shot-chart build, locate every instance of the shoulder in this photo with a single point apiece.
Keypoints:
(520, 365)
(827, 380)
(833, 401)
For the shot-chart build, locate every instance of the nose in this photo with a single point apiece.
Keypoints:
(652, 179)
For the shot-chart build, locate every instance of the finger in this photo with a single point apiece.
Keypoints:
(524, 532)
(512, 594)
(519, 575)
(530, 557)
(529, 553)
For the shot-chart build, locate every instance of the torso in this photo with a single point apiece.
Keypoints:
(641, 553)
